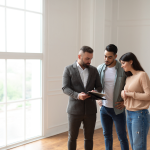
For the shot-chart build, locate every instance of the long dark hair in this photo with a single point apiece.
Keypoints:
(136, 64)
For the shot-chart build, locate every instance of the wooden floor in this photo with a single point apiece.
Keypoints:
(59, 142)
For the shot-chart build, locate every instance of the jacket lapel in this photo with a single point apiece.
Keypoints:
(77, 73)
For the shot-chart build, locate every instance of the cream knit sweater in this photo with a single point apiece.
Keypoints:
(138, 92)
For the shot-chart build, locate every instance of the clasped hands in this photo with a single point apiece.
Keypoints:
(124, 94)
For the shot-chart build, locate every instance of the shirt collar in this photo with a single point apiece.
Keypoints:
(80, 66)
(116, 66)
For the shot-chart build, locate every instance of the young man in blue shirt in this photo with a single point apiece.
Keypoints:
(112, 78)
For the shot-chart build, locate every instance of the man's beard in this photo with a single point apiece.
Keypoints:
(110, 63)
(85, 65)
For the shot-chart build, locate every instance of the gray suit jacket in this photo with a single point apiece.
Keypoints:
(73, 85)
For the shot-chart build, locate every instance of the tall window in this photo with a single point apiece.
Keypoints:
(20, 70)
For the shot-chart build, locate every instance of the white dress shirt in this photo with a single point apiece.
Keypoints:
(84, 74)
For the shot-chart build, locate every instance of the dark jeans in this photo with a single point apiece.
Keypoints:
(108, 116)
(138, 126)
(88, 127)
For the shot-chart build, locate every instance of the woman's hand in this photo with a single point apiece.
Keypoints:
(124, 94)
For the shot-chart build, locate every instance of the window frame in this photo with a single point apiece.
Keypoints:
(41, 56)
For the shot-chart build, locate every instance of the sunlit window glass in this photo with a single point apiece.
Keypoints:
(2, 125)
(33, 32)
(30, 5)
(2, 80)
(33, 79)
(15, 79)
(15, 30)
(2, 2)
(33, 118)
(2, 29)
(15, 123)
(15, 3)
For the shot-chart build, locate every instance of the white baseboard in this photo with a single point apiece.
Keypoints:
(57, 130)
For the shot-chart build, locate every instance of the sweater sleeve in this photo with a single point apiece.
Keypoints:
(145, 83)
(122, 94)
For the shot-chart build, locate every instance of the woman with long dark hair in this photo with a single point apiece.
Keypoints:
(136, 95)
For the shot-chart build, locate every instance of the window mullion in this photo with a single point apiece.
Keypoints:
(5, 28)
(16, 55)
(25, 26)
(25, 71)
(21, 9)
(6, 96)
(5, 84)
(24, 91)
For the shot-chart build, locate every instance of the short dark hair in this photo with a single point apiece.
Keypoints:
(136, 64)
(112, 48)
(86, 49)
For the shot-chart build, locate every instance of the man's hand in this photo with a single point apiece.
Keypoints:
(99, 102)
(93, 91)
(119, 105)
(83, 96)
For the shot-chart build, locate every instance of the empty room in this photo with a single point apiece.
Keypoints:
(74, 74)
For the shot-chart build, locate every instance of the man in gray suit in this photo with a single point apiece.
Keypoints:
(78, 79)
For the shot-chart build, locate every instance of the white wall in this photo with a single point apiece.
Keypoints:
(70, 25)
(131, 19)
(131, 29)
(73, 23)
(63, 38)
(108, 22)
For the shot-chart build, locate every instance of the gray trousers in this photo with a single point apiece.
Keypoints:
(88, 127)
